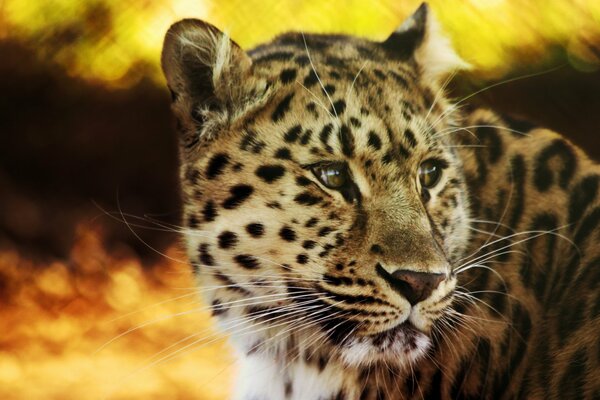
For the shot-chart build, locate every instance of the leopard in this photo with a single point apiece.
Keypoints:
(359, 234)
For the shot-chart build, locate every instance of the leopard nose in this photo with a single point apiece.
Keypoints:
(414, 286)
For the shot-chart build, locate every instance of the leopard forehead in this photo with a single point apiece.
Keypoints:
(340, 87)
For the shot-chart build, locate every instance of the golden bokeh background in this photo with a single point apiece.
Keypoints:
(113, 41)
(96, 299)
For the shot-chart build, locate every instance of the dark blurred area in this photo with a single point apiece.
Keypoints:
(72, 150)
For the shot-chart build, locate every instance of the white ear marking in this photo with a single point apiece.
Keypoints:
(436, 55)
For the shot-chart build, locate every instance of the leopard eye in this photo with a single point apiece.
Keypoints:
(333, 176)
(430, 172)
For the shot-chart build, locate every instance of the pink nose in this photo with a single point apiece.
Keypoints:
(414, 286)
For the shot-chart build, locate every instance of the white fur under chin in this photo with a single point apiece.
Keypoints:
(361, 351)
(261, 377)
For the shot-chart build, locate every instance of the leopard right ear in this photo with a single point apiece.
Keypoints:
(420, 39)
(205, 71)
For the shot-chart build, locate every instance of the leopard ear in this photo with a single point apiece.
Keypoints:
(205, 72)
(420, 38)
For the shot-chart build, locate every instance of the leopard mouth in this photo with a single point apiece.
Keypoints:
(406, 329)
(399, 345)
(406, 334)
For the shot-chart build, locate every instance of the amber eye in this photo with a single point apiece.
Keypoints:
(333, 176)
(430, 172)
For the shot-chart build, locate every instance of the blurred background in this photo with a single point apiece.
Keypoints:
(96, 299)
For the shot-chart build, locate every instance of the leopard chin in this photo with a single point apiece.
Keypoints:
(399, 346)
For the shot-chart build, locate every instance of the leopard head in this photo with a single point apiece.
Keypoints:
(322, 195)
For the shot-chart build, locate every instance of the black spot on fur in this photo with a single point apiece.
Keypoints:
(388, 157)
(572, 382)
(309, 244)
(517, 174)
(239, 194)
(588, 225)
(325, 133)
(379, 74)
(292, 134)
(274, 204)
(489, 137)
(303, 181)
(246, 261)
(400, 79)
(193, 221)
(302, 258)
(283, 153)
(217, 308)
(227, 240)
(355, 122)
(216, 165)
(288, 389)
(338, 107)
(255, 229)
(209, 212)
(305, 137)
(312, 108)
(410, 138)
(581, 197)
(347, 141)
(205, 257)
(544, 175)
(374, 140)
(311, 222)
(311, 79)
(282, 108)
(287, 75)
(325, 231)
(250, 143)
(270, 173)
(376, 249)
(302, 60)
(307, 199)
(287, 234)
(329, 89)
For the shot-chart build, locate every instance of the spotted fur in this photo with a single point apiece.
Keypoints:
(484, 285)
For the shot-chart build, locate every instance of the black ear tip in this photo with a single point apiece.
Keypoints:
(420, 14)
(403, 41)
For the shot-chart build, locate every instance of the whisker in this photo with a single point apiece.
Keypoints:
(312, 65)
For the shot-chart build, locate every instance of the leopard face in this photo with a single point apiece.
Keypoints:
(323, 203)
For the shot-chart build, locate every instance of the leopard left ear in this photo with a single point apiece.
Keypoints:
(421, 39)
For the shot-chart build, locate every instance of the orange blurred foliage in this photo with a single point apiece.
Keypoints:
(102, 326)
